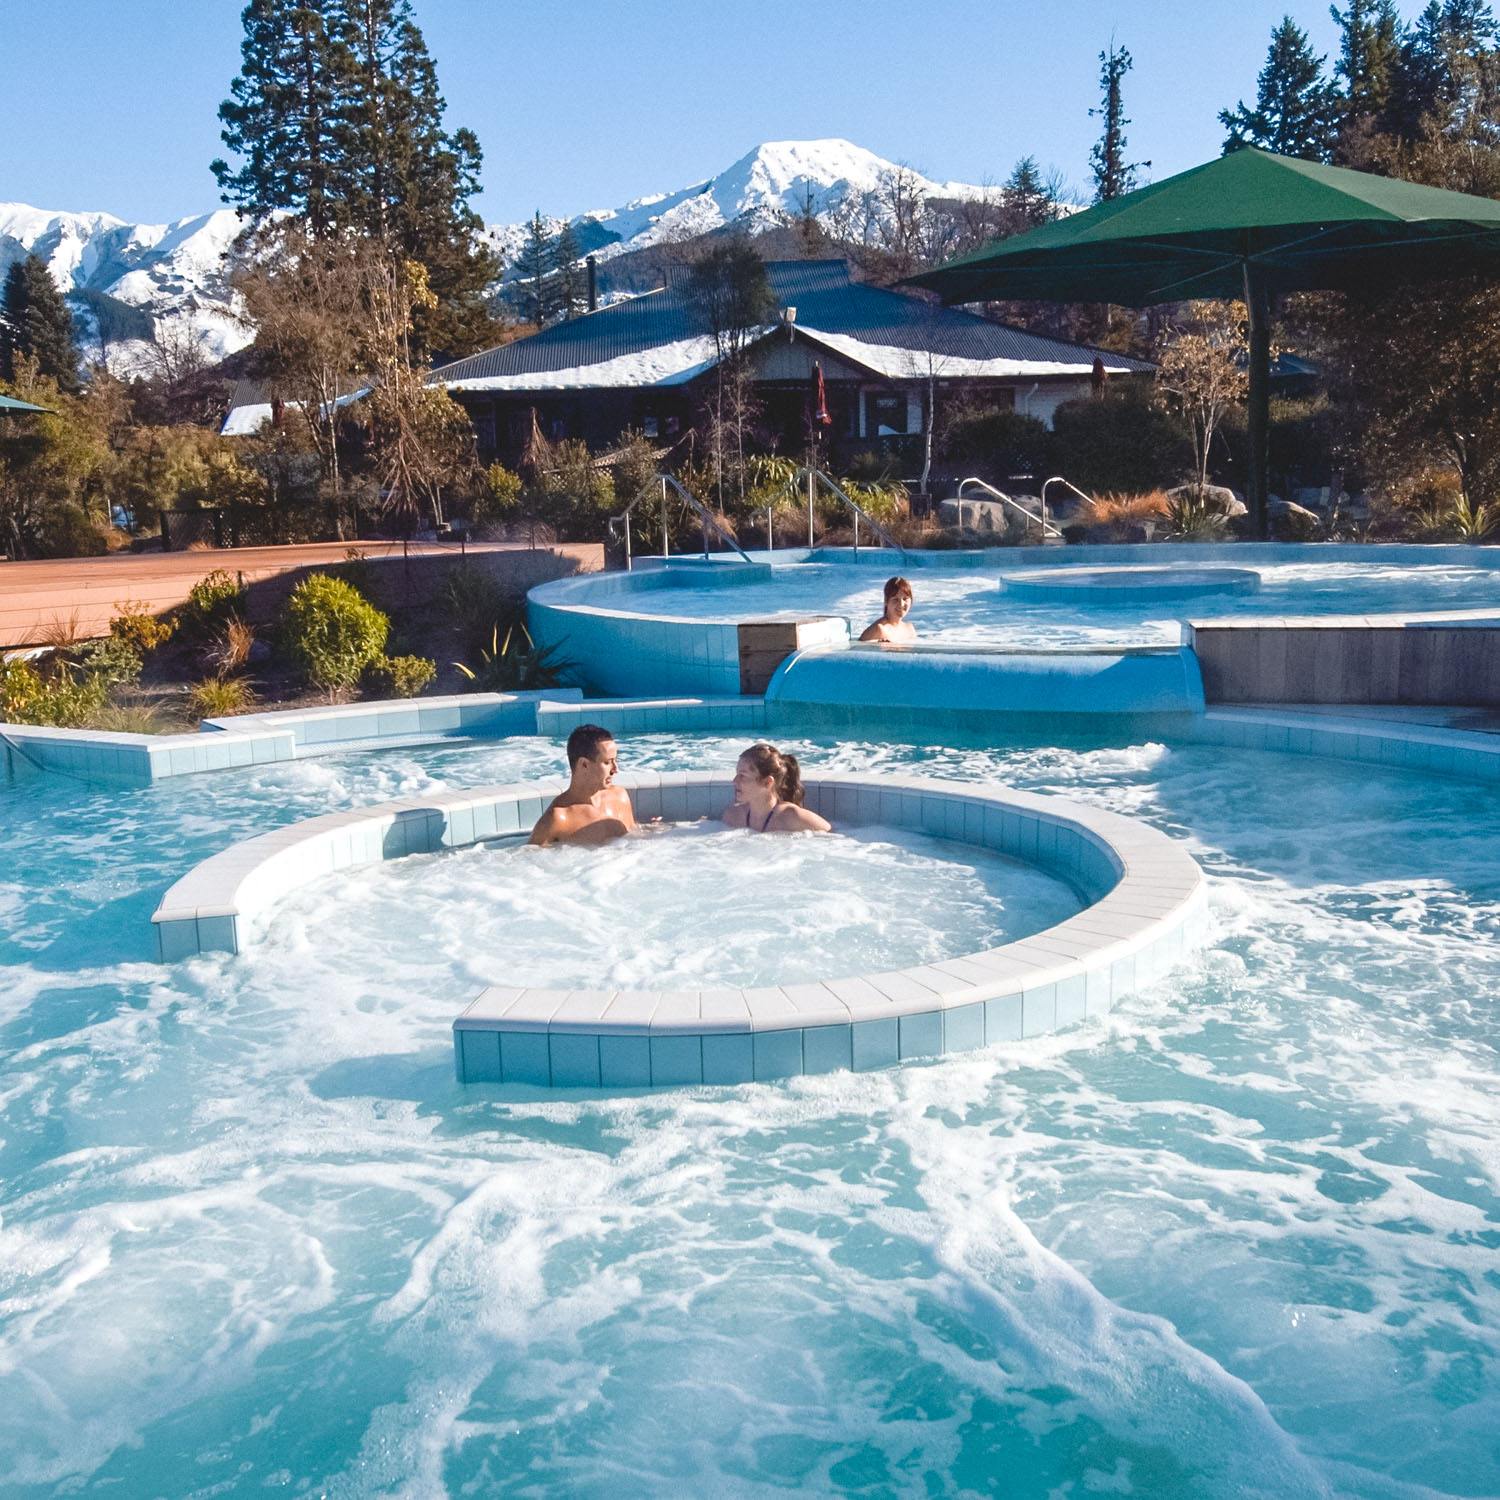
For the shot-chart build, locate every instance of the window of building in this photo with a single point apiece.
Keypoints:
(887, 414)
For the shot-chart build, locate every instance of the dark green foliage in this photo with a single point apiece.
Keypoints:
(998, 442)
(1113, 175)
(1369, 54)
(567, 277)
(1296, 108)
(35, 322)
(729, 289)
(479, 607)
(535, 268)
(332, 633)
(112, 658)
(1122, 444)
(336, 116)
(1028, 200)
(281, 115)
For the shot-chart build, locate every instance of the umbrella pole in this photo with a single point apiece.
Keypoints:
(1258, 305)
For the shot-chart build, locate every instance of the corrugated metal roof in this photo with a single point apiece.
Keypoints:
(825, 298)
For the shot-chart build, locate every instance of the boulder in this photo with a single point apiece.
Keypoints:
(1217, 497)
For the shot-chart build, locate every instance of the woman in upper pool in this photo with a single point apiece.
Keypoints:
(893, 628)
(768, 795)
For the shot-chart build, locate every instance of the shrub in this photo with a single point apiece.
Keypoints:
(499, 497)
(112, 659)
(1190, 517)
(515, 664)
(332, 633)
(228, 648)
(216, 696)
(1121, 443)
(138, 627)
(63, 697)
(214, 598)
(128, 718)
(399, 676)
(480, 607)
(999, 442)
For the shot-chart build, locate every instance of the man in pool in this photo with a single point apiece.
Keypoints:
(892, 628)
(592, 810)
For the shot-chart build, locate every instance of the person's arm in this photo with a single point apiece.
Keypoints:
(624, 809)
(875, 632)
(545, 831)
(793, 819)
(736, 815)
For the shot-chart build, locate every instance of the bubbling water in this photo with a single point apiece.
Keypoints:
(1239, 1238)
(679, 907)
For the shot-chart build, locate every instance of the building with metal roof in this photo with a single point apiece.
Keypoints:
(641, 363)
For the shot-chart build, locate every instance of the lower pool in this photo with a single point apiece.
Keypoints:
(1238, 1238)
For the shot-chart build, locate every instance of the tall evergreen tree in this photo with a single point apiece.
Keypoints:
(336, 116)
(1113, 175)
(566, 279)
(280, 117)
(1296, 107)
(1027, 199)
(410, 180)
(1419, 79)
(35, 321)
(1370, 37)
(535, 271)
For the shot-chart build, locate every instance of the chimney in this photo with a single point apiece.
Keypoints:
(593, 270)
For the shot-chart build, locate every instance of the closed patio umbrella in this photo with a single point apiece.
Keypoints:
(1247, 225)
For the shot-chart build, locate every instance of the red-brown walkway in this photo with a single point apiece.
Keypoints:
(78, 596)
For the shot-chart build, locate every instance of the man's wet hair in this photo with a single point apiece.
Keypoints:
(584, 743)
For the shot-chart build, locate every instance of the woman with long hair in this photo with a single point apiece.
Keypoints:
(768, 795)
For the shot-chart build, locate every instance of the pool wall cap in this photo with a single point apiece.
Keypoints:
(1144, 890)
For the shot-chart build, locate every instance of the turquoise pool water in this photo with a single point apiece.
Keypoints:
(968, 606)
(1238, 1239)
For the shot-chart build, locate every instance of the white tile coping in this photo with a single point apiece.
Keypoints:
(1146, 904)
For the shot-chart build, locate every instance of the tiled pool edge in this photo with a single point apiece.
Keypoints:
(1146, 907)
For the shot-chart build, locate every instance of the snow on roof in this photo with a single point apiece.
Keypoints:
(658, 339)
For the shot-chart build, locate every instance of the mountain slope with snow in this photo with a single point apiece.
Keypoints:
(128, 282)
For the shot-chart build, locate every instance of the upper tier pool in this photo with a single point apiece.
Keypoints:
(976, 607)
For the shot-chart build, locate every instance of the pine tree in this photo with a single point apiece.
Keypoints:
(35, 322)
(1296, 107)
(410, 180)
(535, 271)
(811, 236)
(1027, 199)
(566, 280)
(280, 117)
(1113, 175)
(1369, 49)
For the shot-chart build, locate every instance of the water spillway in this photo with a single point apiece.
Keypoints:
(925, 683)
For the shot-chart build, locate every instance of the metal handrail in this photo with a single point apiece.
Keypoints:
(1042, 521)
(705, 516)
(1058, 479)
(812, 475)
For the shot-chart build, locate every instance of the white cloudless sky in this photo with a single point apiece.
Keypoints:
(112, 104)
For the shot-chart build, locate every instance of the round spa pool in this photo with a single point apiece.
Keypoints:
(688, 906)
(1129, 586)
(1235, 1238)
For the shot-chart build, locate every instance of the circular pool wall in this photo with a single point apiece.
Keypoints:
(1146, 902)
(1107, 586)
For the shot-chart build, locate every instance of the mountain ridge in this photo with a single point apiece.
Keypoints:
(122, 278)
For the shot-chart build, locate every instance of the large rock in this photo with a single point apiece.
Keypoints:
(1217, 497)
(975, 515)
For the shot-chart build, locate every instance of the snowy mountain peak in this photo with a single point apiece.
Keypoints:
(127, 282)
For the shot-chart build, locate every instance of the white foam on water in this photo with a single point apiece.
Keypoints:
(1235, 1239)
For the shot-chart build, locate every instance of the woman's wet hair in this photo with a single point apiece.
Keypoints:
(897, 585)
(785, 774)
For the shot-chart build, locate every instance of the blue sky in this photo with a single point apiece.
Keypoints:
(111, 104)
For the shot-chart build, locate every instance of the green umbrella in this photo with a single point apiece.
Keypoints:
(9, 403)
(1247, 225)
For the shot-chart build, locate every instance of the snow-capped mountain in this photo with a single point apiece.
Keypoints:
(130, 283)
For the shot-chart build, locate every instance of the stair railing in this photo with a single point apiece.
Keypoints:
(812, 476)
(706, 518)
(1058, 479)
(1048, 529)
